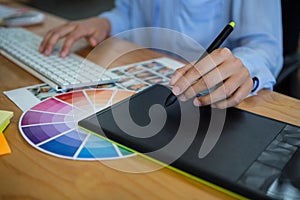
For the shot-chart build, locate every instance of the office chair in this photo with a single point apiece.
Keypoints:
(287, 80)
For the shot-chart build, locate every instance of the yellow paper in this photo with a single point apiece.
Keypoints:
(5, 117)
(4, 148)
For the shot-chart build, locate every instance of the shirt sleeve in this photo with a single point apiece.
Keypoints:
(258, 39)
(119, 16)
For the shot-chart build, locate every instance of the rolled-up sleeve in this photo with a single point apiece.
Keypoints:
(258, 39)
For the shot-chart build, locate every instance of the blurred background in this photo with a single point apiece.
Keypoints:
(72, 9)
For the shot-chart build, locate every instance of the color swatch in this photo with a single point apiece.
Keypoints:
(51, 126)
(5, 117)
(4, 147)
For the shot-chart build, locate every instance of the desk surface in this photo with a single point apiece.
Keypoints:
(30, 174)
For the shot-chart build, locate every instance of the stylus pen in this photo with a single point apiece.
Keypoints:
(214, 45)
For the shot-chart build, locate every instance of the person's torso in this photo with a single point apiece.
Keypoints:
(201, 20)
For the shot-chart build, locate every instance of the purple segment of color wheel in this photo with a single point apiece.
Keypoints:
(65, 145)
(40, 133)
(54, 106)
(32, 117)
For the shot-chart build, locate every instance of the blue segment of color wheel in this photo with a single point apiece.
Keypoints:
(51, 126)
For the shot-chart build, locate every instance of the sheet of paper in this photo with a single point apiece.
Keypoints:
(31, 95)
(4, 147)
(5, 117)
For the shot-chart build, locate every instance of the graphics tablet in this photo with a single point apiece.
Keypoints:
(235, 150)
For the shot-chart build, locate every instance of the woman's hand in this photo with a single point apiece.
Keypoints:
(221, 72)
(94, 30)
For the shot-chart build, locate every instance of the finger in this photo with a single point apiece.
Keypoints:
(96, 38)
(179, 73)
(201, 68)
(44, 41)
(211, 79)
(237, 97)
(216, 95)
(222, 92)
(92, 41)
(69, 41)
(53, 37)
(45, 46)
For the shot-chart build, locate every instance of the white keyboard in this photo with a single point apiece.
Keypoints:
(21, 47)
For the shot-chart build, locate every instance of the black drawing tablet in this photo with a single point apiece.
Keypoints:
(246, 158)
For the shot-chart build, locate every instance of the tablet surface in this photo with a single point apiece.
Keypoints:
(235, 159)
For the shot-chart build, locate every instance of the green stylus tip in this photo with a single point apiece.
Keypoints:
(232, 24)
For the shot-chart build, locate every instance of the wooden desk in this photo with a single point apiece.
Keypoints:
(31, 174)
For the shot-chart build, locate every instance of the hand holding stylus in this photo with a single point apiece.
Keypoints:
(220, 71)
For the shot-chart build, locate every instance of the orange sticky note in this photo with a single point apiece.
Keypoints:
(4, 148)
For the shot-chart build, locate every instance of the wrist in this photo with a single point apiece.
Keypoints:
(105, 24)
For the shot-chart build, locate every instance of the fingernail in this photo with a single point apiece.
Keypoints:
(63, 54)
(197, 102)
(94, 43)
(176, 90)
(47, 52)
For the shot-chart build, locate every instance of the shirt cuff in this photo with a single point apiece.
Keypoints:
(255, 84)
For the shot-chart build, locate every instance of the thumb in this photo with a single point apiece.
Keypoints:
(92, 41)
(96, 38)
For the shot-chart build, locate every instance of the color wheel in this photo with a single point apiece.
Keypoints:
(51, 126)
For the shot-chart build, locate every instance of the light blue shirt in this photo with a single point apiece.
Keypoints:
(256, 40)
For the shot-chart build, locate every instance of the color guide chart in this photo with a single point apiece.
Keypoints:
(51, 126)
